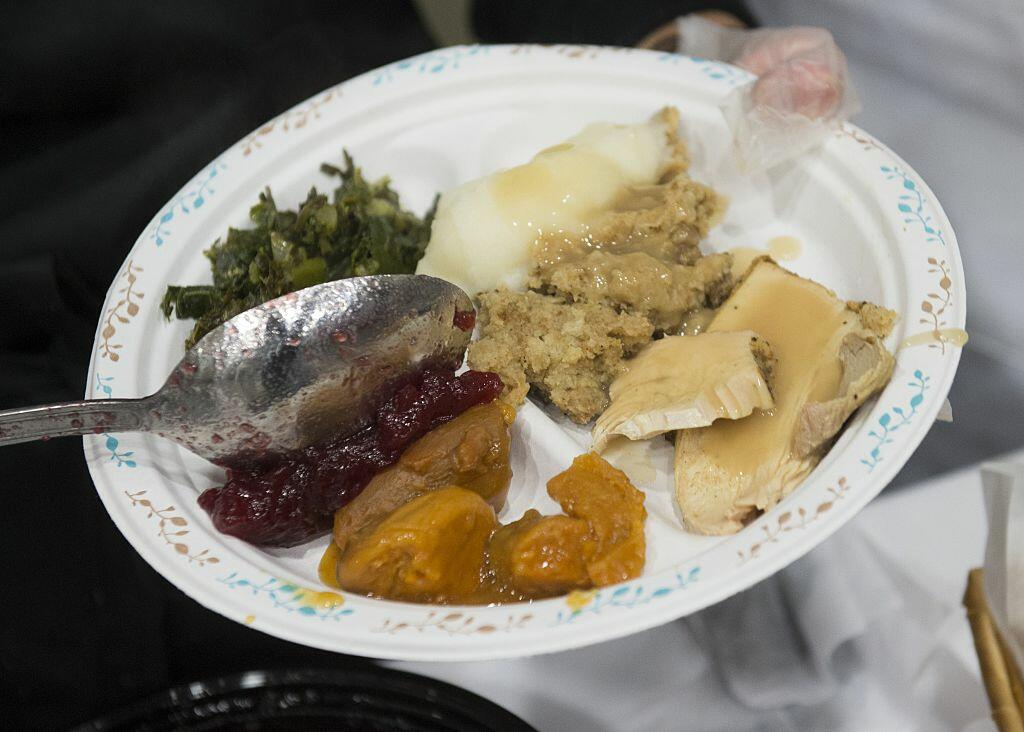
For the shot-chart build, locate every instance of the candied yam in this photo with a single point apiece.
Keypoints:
(432, 549)
(471, 451)
(592, 490)
(539, 556)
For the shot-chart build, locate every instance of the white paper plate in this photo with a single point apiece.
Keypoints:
(871, 230)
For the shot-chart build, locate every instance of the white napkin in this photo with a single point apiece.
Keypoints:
(837, 640)
(796, 639)
(1003, 486)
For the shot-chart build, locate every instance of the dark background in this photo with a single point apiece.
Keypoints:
(106, 108)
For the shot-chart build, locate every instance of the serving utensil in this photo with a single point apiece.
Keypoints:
(288, 373)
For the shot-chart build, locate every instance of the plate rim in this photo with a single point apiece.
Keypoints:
(681, 604)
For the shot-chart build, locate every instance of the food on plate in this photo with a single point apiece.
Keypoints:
(697, 322)
(445, 546)
(362, 230)
(432, 549)
(471, 451)
(681, 382)
(594, 295)
(616, 546)
(294, 499)
(601, 282)
(600, 540)
(567, 352)
(540, 556)
(641, 254)
(661, 291)
(485, 230)
(829, 360)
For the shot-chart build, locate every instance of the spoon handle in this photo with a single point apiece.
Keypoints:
(73, 418)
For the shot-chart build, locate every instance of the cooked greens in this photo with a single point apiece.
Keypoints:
(362, 231)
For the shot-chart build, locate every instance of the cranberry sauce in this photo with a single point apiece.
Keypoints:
(294, 500)
(464, 320)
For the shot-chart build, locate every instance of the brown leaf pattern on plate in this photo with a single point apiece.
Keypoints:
(455, 623)
(292, 119)
(171, 528)
(935, 304)
(122, 311)
(866, 143)
(791, 520)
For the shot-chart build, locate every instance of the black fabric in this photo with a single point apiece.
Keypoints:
(585, 21)
(106, 108)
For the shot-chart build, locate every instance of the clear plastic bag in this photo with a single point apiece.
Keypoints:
(802, 93)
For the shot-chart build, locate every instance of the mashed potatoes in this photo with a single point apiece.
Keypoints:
(485, 230)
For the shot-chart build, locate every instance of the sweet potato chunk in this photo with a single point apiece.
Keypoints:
(471, 451)
(592, 490)
(540, 556)
(432, 549)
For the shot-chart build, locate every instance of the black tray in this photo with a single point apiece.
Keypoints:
(373, 698)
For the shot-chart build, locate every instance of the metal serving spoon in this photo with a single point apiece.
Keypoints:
(286, 374)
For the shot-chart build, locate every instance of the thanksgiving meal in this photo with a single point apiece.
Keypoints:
(594, 299)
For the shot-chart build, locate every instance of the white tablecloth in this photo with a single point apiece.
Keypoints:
(931, 534)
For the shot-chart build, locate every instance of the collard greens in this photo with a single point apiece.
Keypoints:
(363, 230)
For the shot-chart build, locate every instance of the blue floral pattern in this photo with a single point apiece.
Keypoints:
(121, 458)
(912, 204)
(192, 197)
(433, 62)
(717, 70)
(627, 596)
(103, 385)
(291, 597)
(896, 418)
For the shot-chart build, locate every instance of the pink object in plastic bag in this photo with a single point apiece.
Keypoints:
(800, 70)
(802, 91)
